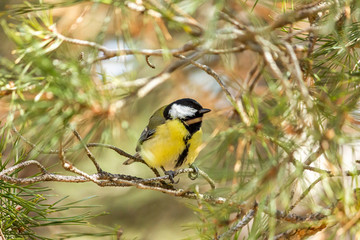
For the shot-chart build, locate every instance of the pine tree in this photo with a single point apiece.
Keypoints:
(79, 80)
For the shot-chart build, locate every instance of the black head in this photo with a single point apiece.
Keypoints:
(187, 110)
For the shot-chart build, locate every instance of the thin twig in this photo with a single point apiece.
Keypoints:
(22, 165)
(299, 75)
(52, 151)
(256, 77)
(34, 146)
(110, 53)
(354, 220)
(301, 232)
(183, 19)
(115, 180)
(116, 149)
(88, 152)
(206, 177)
(324, 174)
(313, 156)
(148, 62)
(298, 14)
(2, 237)
(254, 69)
(294, 218)
(269, 59)
(240, 48)
(305, 193)
(70, 167)
(180, 171)
(218, 79)
(304, 30)
(209, 71)
(231, 20)
(242, 223)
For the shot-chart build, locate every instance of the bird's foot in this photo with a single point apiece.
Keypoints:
(195, 174)
(171, 175)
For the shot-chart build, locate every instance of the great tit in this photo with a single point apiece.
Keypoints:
(173, 135)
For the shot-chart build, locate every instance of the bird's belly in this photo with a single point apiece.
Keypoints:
(167, 144)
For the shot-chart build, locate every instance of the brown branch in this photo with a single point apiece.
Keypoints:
(294, 218)
(70, 167)
(324, 174)
(152, 82)
(52, 151)
(147, 52)
(300, 233)
(148, 61)
(116, 149)
(104, 179)
(134, 157)
(242, 223)
(207, 178)
(299, 75)
(313, 156)
(299, 14)
(236, 49)
(32, 144)
(24, 164)
(183, 19)
(354, 220)
(2, 237)
(249, 35)
(238, 104)
(254, 75)
(305, 193)
(268, 54)
(310, 29)
(226, 16)
(211, 72)
(110, 53)
(88, 152)
(101, 174)
(144, 85)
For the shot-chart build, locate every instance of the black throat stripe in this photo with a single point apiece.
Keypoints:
(192, 127)
(184, 153)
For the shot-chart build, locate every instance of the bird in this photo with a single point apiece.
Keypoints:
(172, 136)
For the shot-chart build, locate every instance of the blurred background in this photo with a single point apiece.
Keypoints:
(254, 140)
(139, 214)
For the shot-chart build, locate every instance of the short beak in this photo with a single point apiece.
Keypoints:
(204, 110)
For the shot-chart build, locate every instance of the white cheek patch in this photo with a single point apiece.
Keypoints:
(181, 111)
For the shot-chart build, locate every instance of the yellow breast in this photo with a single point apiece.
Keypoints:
(165, 146)
(195, 143)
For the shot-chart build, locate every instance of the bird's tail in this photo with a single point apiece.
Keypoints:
(132, 160)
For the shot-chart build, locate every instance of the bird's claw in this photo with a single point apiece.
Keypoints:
(195, 174)
(171, 175)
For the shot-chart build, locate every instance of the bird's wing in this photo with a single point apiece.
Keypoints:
(156, 119)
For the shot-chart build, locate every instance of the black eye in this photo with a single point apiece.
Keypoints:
(166, 112)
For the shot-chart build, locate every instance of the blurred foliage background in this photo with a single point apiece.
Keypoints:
(281, 142)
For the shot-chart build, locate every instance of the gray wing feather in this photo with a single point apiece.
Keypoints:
(145, 135)
(155, 120)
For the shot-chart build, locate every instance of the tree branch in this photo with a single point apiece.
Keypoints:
(299, 14)
(105, 179)
(216, 76)
(300, 233)
(88, 152)
(242, 223)
(110, 53)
